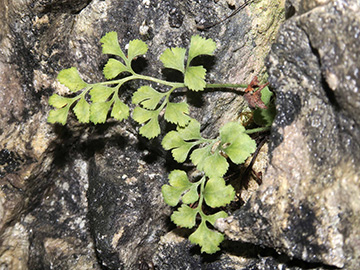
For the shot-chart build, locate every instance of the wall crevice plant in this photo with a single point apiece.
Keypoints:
(211, 156)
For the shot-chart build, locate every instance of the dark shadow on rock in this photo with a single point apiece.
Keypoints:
(207, 61)
(251, 251)
(172, 75)
(139, 64)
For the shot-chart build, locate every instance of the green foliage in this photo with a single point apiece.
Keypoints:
(113, 68)
(213, 192)
(210, 158)
(194, 76)
(120, 111)
(235, 143)
(93, 102)
(152, 127)
(148, 97)
(180, 142)
(174, 58)
(265, 117)
(82, 111)
(177, 113)
(200, 46)
(100, 93)
(110, 45)
(202, 235)
(71, 79)
(59, 116)
(59, 101)
(217, 194)
(179, 185)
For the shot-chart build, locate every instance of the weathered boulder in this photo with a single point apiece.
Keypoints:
(308, 204)
(85, 197)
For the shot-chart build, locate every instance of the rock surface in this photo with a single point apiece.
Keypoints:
(307, 206)
(85, 197)
(88, 197)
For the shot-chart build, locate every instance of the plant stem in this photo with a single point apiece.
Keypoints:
(152, 79)
(145, 78)
(120, 81)
(201, 199)
(255, 130)
(225, 85)
(83, 93)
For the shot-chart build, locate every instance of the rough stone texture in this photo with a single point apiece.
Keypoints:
(85, 197)
(127, 214)
(177, 253)
(308, 204)
(58, 228)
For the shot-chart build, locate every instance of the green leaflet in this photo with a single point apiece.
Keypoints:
(59, 101)
(179, 183)
(199, 155)
(211, 163)
(58, 115)
(152, 128)
(82, 111)
(71, 79)
(63, 105)
(177, 113)
(236, 143)
(100, 107)
(214, 165)
(120, 111)
(141, 115)
(217, 194)
(192, 195)
(174, 58)
(191, 131)
(209, 240)
(110, 45)
(147, 96)
(195, 78)
(200, 46)
(201, 237)
(181, 141)
(265, 117)
(266, 95)
(212, 218)
(113, 68)
(136, 48)
(99, 111)
(180, 148)
(184, 216)
(100, 93)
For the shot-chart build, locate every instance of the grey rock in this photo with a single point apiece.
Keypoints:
(307, 206)
(126, 213)
(85, 197)
(58, 228)
(175, 252)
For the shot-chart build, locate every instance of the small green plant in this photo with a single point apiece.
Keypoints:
(93, 102)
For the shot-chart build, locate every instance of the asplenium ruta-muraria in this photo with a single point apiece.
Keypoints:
(211, 158)
(93, 102)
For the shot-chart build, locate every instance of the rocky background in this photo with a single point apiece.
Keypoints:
(88, 197)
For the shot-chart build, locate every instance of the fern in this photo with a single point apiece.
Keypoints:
(210, 156)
